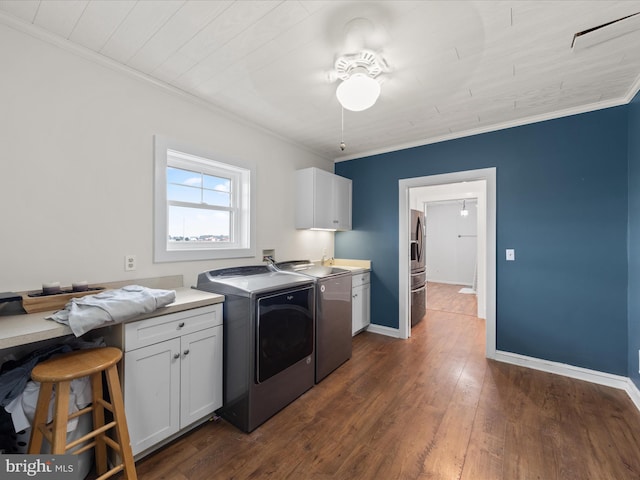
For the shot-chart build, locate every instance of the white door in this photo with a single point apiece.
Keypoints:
(366, 304)
(324, 203)
(152, 393)
(342, 203)
(357, 309)
(201, 374)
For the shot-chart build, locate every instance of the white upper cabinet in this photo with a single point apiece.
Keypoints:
(323, 200)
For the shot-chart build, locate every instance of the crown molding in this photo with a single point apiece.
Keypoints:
(501, 126)
(36, 32)
(94, 57)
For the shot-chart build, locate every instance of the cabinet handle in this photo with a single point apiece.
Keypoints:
(355, 295)
(181, 324)
(186, 352)
(176, 356)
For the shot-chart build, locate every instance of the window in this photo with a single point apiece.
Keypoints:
(202, 206)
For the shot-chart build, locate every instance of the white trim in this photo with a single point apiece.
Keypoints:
(449, 282)
(92, 56)
(632, 91)
(487, 174)
(571, 371)
(592, 107)
(633, 393)
(40, 34)
(564, 369)
(36, 32)
(382, 330)
(593, 376)
(244, 246)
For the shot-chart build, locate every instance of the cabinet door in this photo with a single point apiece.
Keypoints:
(324, 206)
(356, 309)
(323, 200)
(360, 305)
(152, 393)
(341, 203)
(366, 304)
(201, 374)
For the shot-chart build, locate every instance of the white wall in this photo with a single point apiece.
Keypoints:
(451, 242)
(76, 170)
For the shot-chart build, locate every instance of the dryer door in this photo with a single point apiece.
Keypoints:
(284, 332)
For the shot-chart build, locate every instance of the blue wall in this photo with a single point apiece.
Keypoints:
(561, 203)
(634, 238)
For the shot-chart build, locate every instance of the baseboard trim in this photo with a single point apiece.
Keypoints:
(382, 330)
(633, 392)
(449, 282)
(566, 370)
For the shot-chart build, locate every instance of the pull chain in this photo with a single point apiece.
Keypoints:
(342, 144)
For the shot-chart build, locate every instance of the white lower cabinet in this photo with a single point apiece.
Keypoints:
(200, 374)
(360, 302)
(172, 373)
(152, 393)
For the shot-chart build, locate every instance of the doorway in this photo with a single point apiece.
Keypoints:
(480, 184)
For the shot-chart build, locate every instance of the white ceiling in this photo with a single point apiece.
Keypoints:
(456, 68)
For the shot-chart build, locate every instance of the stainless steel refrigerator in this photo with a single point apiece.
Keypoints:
(418, 270)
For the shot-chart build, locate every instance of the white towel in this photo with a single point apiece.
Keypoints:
(111, 306)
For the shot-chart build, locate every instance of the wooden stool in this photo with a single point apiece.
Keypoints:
(60, 371)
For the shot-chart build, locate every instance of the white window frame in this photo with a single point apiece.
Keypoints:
(170, 153)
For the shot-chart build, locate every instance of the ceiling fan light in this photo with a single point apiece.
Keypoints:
(464, 212)
(358, 92)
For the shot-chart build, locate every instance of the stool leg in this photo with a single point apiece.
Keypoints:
(121, 423)
(42, 412)
(98, 421)
(60, 416)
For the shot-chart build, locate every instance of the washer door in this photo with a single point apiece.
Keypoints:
(284, 336)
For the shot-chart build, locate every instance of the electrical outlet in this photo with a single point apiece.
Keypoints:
(511, 254)
(130, 263)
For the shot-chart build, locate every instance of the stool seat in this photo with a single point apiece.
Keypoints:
(77, 364)
(57, 373)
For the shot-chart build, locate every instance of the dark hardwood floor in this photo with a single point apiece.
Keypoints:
(431, 407)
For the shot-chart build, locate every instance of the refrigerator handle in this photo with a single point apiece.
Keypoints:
(420, 240)
(423, 287)
(414, 250)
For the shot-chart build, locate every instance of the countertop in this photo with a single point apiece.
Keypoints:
(353, 269)
(23, 329)
(355, 266)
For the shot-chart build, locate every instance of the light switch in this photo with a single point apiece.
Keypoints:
(511, 254)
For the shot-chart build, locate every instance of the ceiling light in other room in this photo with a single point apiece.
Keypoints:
(359, 89)
(464, 212)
